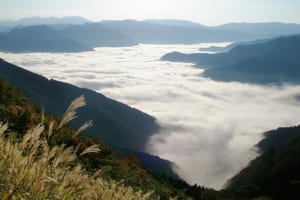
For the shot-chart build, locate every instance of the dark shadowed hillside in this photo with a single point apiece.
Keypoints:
(152, 163)
(276, 171)
(40, 38)
(96, 35)
(115, 123)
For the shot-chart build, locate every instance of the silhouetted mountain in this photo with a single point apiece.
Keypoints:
(60, 27)
(276, 170)
(51, 20)
(160, 33)
(271, 62)
(40, 38)
(4, 28)
(276, 138)
(185, 32)
(4, 25)
(31, 21)
(115, 123)
(183, 57)
(96, 35)
(227, 48)
(261, 30)
(169, 31)
(217, 49)
(175, 22)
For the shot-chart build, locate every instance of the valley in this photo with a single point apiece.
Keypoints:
(202, 119)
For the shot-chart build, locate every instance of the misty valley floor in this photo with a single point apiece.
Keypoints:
(209, 128)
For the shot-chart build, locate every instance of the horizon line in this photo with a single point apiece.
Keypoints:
(8, 20)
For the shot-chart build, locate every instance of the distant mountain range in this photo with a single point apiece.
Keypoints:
(175, 22)
(261, 30)
(6, 25)
(165, 32)
(115, 123)
(186, 32)
(131, 32)
(96, 35)
(71, 38)
(274, 61)
(39, 38)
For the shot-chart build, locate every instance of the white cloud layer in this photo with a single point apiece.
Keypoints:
(209, 128)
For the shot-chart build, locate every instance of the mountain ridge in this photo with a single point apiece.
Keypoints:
(96, 35)
(154, 31)
(38, 38)
(35, 20)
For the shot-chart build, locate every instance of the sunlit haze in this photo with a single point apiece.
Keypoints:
(211, 12)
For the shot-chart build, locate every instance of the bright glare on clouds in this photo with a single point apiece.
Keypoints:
(209, 128)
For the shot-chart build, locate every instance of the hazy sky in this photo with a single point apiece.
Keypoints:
(207, 12)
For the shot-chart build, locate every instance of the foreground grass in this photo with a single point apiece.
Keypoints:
(32, 169)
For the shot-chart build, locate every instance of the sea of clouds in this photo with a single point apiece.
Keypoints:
(209, 128)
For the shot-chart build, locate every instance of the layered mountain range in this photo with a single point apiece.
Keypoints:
(272, 61)
(70, 31)
(39, 38)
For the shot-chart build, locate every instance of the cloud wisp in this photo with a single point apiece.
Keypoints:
(209, 128)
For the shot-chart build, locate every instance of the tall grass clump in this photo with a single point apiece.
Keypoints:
(33, 169)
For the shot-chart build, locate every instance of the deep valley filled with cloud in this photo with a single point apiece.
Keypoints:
(209, 128)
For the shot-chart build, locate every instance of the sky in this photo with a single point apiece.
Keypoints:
(207, 12)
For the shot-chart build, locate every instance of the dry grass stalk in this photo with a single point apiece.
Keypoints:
(85, 126)
(70, 114)
(91, 149)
